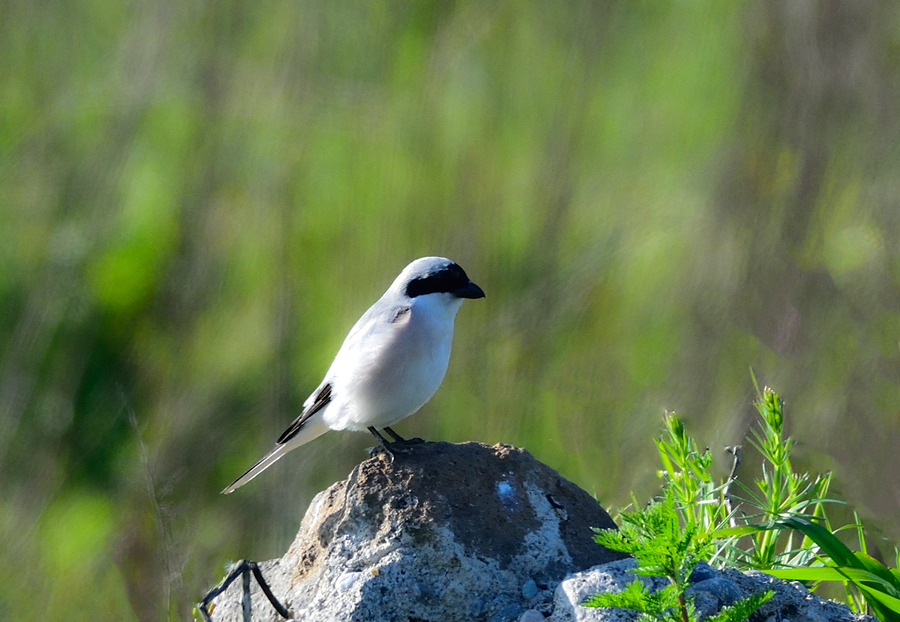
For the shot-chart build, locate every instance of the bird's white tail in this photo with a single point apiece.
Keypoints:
(313, 427)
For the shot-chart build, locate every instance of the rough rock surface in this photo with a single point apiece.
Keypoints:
(605, 578)
(443, 532)
(712, 588)
(472, 533)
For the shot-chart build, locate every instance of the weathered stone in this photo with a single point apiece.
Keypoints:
(471, 533)
(441, 532)
(791, 600)
(531, 615)
(579, 586)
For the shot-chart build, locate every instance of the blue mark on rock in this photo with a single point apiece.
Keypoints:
(507, 493)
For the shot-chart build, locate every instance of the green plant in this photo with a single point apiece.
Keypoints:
(782, 504)
(686, 472)
(780, 491)
(867, 580)
(663, 546)
(714, 509)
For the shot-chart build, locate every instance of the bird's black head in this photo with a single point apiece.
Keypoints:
(447, 278)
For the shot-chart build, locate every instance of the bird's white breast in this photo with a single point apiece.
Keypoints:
(393, 368)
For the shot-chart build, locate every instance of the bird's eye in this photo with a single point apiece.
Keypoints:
(448, 279)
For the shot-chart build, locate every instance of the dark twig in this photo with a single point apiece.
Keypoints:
(282, 611)
(246, 604)
(243, 569)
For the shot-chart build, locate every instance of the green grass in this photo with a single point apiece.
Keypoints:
(777, 523)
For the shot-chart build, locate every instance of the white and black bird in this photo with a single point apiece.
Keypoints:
(390, 364)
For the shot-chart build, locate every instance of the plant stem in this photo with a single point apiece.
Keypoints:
(683, 607)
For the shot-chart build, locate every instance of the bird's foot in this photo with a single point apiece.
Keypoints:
(381, 449)
(400, 440)
(399, 445)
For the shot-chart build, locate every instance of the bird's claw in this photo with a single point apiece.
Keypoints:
(382, 449)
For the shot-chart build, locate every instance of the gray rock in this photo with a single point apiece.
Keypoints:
(532, 615)
(507, 613)
(530, 589)
(471, 533)
(612, 577)
(703, 571)
(706, 605)
(442, 532)
(791, 601)
(721, 589)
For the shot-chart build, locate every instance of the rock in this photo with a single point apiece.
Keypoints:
(442, 532)
(791, 601)
(612, 577)
(711, 590)
(471, 533)
(706, 605)
(703, 571)
(507, 613)
(532, 615)
(719, 587)
(530, 589)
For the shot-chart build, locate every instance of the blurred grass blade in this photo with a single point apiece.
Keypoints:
(839, 552)
(833, 573)
(880, 584)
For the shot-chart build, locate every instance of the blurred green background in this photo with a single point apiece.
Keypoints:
(198, 199)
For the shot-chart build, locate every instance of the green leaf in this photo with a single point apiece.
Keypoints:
(699, 470)
(818, 573)
(880, 584)
(742, 609)
(740, 530)
(634, 596)
(831, 573)
(637, 597)
(839, 553)
(892, 603)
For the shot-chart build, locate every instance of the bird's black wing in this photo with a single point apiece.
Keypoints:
(323, 397)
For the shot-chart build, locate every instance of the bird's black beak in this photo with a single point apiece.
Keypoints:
(469, 291)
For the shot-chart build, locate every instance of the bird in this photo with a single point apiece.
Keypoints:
(391, 363)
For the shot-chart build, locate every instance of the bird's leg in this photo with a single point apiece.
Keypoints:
(399, 439)
(399, 445)
(384, 442)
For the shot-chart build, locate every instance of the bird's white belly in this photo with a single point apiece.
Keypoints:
(398, 388)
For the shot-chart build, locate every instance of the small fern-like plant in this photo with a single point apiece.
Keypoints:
(783, 504)
(663, 546)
